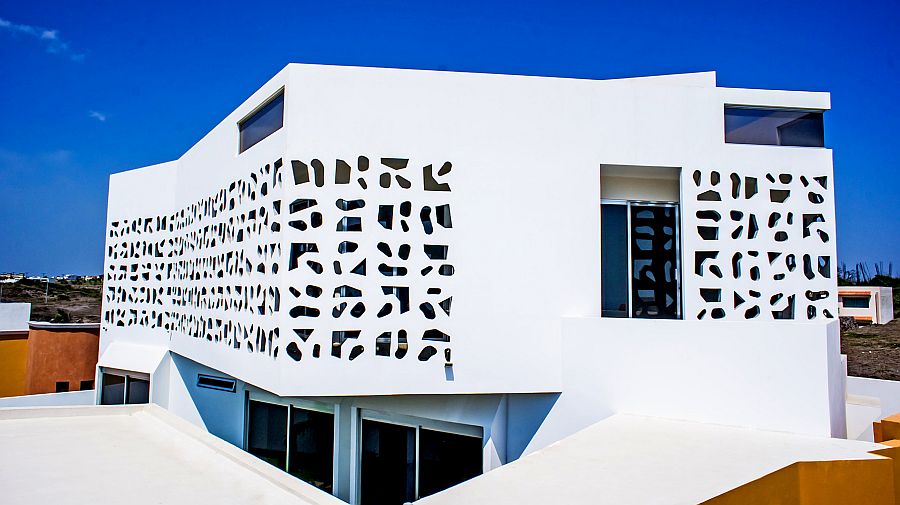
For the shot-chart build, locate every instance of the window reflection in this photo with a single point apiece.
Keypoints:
(262, 123)
(777, 127)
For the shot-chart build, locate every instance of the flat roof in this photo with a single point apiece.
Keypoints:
(627, 459)
(142, 454)
(43, 325)
(135, 454)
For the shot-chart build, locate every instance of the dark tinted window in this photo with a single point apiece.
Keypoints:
(138, 391)
(777, 127)
(262, 123)
(113, 390)
(87, 385)
(62, 387)
(446, 459)
(614, 260)
(388, 469)
(267, 432)
(856, 302)
(312, 447)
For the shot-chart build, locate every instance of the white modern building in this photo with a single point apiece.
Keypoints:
(866, 304)
(386, 282)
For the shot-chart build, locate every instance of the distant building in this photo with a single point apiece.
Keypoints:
(866, 304)
(13, 347)
(62, 357)
(69, 277)
(37, 358)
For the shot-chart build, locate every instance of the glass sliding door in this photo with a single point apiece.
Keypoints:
(112, 389)
(614, 260)
(640, 260)
(401, 463)
(297, 440)
(446, 459)
(119, 387)
(311, 456)
(137, 390)
(267, 432)
(388, 466)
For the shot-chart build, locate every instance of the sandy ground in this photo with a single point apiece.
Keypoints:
(873, 351)
(66, 302)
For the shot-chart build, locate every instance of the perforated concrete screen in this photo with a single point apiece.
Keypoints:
(766, 249)
(213, 269)
(203, 270)
(365, 262)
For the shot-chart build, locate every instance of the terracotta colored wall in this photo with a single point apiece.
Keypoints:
(857, 482)
(60, 355)
(13, 355)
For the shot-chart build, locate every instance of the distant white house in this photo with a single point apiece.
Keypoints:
(868, 304)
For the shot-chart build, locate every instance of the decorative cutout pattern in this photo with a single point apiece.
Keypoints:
(212, 269)
(378, 306)
(764, 246)
(204, 270)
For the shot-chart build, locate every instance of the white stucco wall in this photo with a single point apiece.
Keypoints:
(525, 183)
(742, 374)
(869, 400)
(14, 316)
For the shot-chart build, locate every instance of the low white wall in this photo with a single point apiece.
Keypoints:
(888, 392)
(765, 375)
(869, 400)
(886, 306)
(50, 399)
(14, 316)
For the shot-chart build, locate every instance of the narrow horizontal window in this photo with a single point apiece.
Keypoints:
(262, 123)
(776, 127)
(855, 302)
(220, 383)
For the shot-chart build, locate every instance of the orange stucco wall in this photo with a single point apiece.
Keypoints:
(13, 356)
(56, 355)
(857, 482)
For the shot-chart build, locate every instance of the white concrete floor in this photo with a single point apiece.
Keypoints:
(131, 455)
(641, 460)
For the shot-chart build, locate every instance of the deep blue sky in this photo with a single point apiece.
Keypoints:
(91, 88)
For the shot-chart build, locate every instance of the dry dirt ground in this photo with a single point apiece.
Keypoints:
(67, 302)
(873, 351)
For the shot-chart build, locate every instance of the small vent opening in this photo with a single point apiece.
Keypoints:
(219, 383)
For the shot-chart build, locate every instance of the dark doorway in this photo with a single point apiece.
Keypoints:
(312, 447)
(388, 467)
(267, 432)
(446, 459)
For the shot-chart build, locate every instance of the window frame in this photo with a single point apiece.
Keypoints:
(289, 403)
(417, 423)
(128, 375)
(679, 302)
(868, 300)
(726, 106)
(280, 92)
